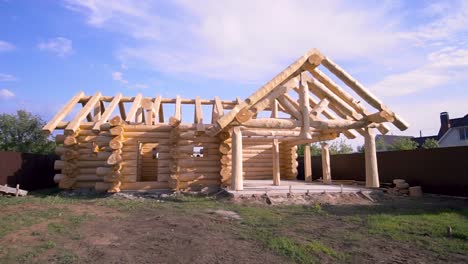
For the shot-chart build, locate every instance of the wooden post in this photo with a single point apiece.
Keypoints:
(276, 163)
(237, 181)
(372, 172)
(326, 163)
(305, 111)
(307, 164)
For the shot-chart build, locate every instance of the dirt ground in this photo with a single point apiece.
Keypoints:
(54, 228)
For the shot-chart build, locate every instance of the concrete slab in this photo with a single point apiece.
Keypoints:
(296, 187)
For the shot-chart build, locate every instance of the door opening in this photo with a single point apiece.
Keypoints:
(148, 156)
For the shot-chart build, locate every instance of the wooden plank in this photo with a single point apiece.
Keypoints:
(75, 123)
(10, 190)
(134, 108)
(89, 117)
(123, 113)
(50, 127)
(176, 118)
(115, 101)
(274, 109)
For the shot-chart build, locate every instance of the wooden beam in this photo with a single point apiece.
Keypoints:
(363, 92)
(370, 153)
(278, 123)
(290, 106)
(307, 164)
(305, 111)
(97, 112)
(161, 114)
(320, 107)
(345, 96)
(134, 108)
(123, 113)
(89, 117)
(276, 163)
(157, 106)
(291, 71)
(274, 109)
(321, 91)
(218, 110)
(50, 127)
(105, 116)
(326, 173)
(199, 115)
(237, 181)
(176, 118)
(75, 123)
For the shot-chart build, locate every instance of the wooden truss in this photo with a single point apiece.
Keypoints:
(143, 111)
(337, 111)
(322, 110)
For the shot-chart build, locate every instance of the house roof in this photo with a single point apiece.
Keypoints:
(459, 122)
(315, 102)
(305, 72)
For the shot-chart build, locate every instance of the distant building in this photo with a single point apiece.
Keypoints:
(452, 132)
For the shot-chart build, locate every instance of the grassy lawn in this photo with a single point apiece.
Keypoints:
(51, 228)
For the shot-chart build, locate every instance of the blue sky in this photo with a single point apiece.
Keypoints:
(411, 54)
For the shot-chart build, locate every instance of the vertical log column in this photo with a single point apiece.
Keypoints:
(115, 159)
(237, 181)
(326, 163)
(370, 152)
(307, 164)
(276, 163)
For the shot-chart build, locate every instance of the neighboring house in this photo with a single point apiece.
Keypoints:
(452, 132)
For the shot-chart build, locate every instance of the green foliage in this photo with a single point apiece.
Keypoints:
(337, 147)
(403, 144)
(23, 132)
(430, 143)
(427, 230)
(315, 150)
(340, 147)
(380, 145)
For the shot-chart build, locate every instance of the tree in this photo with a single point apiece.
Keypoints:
(340, 147)
(380, 145)
(403, 144)
(23, 132)
(360, 149)
(430, 143)
(315, 150)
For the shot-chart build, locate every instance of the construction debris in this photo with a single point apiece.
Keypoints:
(404, 189)
(10, 190)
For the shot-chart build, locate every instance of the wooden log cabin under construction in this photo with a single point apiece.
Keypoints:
(126, 143)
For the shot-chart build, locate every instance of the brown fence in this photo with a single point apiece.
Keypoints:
(441, 170)
(30, 171)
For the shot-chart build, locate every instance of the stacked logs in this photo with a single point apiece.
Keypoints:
(115, 160)
(68, 161)
(258, 160)
(226, 157)
(288, 161)
(81, 153)
(189, 172)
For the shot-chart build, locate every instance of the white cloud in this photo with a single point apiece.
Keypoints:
(5, 46)
(239, 40)
(118, 76)
(6, 94)
(7, 77)
(60, 46)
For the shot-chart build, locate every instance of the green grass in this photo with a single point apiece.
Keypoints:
(428, 230)
(29, 256)
(12, 222)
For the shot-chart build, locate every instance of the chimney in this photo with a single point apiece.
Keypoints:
(444, 124)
